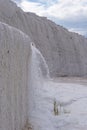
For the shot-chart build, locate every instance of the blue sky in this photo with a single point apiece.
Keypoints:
(71, 14)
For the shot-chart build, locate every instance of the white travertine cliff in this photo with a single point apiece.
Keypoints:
(15, 53)
(29, 98)
(64, 52)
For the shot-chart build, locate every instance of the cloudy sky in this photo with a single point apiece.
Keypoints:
(71, 14)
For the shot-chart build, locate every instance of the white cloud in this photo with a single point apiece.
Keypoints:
(81, 31)
(68, 11)
(61, 9)
(37, 8)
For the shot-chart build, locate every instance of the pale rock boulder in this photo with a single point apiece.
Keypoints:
(15, 53)
(64, 52)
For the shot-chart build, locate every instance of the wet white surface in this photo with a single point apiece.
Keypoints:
(55, 104)
(71, 102)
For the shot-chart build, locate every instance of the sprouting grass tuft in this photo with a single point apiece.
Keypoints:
(56, 111)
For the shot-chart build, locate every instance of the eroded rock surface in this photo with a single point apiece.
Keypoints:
(14, 63)
(64, 52)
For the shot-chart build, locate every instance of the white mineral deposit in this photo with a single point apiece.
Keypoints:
(34, 52)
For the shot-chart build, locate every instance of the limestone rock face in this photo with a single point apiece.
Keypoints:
(14, 57)
(64, 52)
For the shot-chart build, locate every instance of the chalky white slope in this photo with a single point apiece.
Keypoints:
(15, 53)
(27, 94)
(64, 52)
(55, 104)
(71, 103)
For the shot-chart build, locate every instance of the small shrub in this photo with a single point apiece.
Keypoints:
(56, 112)
(27, 126)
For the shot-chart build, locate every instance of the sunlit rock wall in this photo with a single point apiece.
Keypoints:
(14, 63)
(64, 52)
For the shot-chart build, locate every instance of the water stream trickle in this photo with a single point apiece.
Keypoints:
(66, 112)
(38, 72)
(39, 65)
